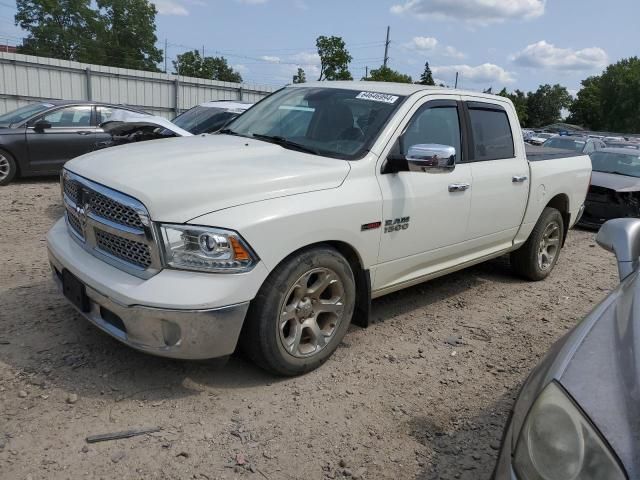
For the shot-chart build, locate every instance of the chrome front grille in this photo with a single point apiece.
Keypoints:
(110, 225)
(128, 250)
(114, 211)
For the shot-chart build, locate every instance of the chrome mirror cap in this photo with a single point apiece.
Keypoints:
(622, 237)
(431, 158)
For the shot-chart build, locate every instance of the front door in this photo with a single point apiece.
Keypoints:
(425, 214)
(71, 134)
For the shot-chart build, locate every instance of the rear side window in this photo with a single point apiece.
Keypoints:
(492, 136)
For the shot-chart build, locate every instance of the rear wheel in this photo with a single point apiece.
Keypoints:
(301, 312)
(536, 258)
(8, 168)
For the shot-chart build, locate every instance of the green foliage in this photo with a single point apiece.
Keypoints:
(519, 99)
(544, 106)
(300, 77)
(334, 58)
(64, 29)
(128, 34)
(192, 64)
(620, 96)
(586, 110)
(119, 33)
(385, 74)
(427, 76)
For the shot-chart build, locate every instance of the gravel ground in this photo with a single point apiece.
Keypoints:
(422, 393)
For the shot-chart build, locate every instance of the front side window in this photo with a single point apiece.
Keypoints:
(492, 136)
(79, 116)
(433, 125)
(332, 122)
(23, 113)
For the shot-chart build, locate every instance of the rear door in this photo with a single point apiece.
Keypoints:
(500, 173)
(71, 134)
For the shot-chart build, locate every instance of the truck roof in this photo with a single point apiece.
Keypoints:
(404, 89)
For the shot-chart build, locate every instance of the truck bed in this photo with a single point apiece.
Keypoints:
(537, 153)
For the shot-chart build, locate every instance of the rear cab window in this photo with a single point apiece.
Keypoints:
(491, 133)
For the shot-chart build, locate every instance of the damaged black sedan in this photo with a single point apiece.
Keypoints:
(615, 187)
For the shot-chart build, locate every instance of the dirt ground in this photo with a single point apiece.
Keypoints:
(422, 393)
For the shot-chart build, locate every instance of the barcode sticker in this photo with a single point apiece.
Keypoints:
(377, 97)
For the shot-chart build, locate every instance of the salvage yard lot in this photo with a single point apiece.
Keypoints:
(422, 393)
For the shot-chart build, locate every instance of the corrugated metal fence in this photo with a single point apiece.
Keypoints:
(24, 79)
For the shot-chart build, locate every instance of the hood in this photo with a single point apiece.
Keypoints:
(603, 375)
(613, 181)
(129, 122)
(179, 179)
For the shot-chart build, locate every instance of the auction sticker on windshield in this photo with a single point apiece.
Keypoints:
(377, 97)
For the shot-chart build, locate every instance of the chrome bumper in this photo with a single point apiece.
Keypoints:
(183, 334)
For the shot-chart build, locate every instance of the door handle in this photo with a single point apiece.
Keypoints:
(83, 132)
(519, 178)
(458, 187)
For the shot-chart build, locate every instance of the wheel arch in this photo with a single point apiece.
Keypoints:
(561, 203)
(4, 149)
(361, 275)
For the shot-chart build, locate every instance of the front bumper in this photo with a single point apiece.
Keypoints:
(177, 314)
(504, 467)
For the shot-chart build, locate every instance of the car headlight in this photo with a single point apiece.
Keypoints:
(206, 249)
(558, 442)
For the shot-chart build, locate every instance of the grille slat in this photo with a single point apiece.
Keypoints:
(123, 248)
(72, 188)
(75, 223)
(114, 211)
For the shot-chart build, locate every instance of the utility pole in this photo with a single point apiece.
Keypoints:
(165, 55)
(386, 48)
(366, 72)
(456, 80)
(202, 51)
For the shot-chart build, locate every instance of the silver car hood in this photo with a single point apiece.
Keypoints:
(603, 375)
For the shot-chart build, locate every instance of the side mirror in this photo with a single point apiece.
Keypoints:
(431, 158)
(622, 237)
(41, 125)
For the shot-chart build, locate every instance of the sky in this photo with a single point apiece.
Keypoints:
(491, 43)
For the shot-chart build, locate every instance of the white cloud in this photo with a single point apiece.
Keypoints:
(484, 74)
(270, 59)
(252, 2)
(547, 55)
(306, 58)
(170, 7)
(474, 11)
(432, 45)
(243, 69)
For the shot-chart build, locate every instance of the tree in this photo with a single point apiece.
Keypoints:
(128, 34)
(385, 74)
(427, 77)
(586, 110)
(64, 29)
(544, 106)
(334, 58)
(300, 77)
(619, 89)
(519, 99)
(119, 33)
(191, 64)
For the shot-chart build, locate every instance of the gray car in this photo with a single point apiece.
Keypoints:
(578, 144)
(39, 138)
(578, 414)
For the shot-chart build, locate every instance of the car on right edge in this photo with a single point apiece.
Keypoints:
(578, 414)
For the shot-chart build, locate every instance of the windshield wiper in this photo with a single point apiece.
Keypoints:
(283, 142)
(228, 131)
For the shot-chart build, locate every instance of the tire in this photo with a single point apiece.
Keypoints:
(289, 329)
(8, 168)
(535, 260)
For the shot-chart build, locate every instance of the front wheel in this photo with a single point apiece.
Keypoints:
(536, 258)
(301, 312)
(8, 168)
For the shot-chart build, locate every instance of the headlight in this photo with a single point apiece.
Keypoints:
(206, 249)
(557, 442)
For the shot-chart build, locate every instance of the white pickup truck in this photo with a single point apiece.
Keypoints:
(276, 233)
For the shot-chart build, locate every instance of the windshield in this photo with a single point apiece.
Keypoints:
(565, 143)
(22, 113)
(332, 122)
(201, 119)
(619, 163)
